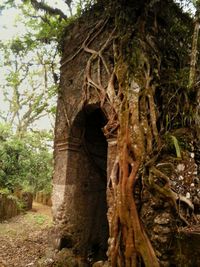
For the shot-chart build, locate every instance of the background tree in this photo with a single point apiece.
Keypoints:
(25, 163)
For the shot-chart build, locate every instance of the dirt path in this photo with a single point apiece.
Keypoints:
(24, 239)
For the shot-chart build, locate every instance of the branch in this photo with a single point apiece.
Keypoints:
(69, 2)
(51, 11)
(3, 117)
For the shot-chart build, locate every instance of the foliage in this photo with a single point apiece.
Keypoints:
(4, 191)
(172, 145)
(83, 5)
(40, 219)
(26, 163)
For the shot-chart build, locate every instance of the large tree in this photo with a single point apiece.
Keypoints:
(145, 110)
(140, 76)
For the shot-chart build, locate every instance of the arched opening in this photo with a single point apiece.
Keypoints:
(95, 146)
(87, 211)
(95, 143)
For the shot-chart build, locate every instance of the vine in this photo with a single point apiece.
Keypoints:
(128, 100)
(128, 240)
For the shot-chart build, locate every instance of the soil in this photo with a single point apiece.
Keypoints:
(24, 239)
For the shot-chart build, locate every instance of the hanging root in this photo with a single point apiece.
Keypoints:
(132, 121)
(98, 28)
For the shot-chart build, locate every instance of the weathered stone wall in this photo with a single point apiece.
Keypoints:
(43, 198)
(8, 207)
(86, 232)
(12, 205)
(68, 135)
(79, 192)
(79, 188)
(26, 199)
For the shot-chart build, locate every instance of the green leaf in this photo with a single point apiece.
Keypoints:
(176, 145)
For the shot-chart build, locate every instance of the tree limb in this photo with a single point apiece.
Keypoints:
(51, 11)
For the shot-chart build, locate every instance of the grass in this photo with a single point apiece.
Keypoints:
(38, 219)
(23, 223)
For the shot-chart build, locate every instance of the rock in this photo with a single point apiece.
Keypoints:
(180, 178)
(192, 155)
(66, 258)
(158, 229)
(164, 264)
(30, 264)
(49, 261)
(161, 238)
(173, 183)
(163, 218)
(180, 167)
(188, 195)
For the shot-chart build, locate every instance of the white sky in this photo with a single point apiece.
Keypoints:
(10, 25)
(9, 28)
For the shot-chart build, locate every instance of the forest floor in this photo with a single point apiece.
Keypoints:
(24, 239)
